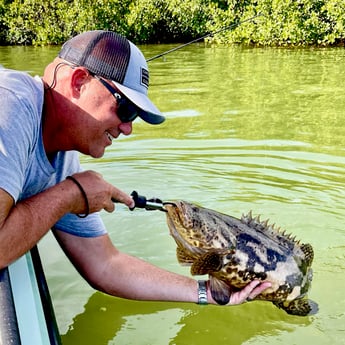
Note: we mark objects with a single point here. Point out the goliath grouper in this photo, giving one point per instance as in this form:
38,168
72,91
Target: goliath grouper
233,252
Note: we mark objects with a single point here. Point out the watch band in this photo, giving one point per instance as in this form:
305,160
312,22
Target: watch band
202,292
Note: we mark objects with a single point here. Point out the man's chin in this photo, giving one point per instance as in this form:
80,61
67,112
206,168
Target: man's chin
96,153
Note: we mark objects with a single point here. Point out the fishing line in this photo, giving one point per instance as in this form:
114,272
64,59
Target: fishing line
229,27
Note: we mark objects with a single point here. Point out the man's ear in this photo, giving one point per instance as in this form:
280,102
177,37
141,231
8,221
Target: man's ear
80,76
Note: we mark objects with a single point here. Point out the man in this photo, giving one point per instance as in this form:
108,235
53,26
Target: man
89,95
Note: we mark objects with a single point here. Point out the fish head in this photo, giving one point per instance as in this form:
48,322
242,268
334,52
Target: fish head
194,228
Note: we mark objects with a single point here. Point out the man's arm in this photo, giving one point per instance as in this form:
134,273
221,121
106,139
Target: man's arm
23,224
118,274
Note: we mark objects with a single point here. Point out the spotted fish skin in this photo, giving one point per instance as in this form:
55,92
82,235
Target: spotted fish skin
233,252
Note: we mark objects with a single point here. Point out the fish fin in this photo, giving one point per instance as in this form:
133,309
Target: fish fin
221,292
299,307
183,257
308,251
206,263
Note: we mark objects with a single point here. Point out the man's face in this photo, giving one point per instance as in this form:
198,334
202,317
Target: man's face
98,123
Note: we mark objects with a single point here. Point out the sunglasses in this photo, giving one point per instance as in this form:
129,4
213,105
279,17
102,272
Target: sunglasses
127,111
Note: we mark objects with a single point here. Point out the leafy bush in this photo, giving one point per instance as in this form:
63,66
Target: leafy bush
289,22
3,27
167,20
52,21
31,21
283,22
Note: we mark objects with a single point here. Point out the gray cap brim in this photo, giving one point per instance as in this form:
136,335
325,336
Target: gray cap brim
149,113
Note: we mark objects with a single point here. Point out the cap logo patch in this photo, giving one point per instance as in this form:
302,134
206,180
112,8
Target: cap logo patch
145,77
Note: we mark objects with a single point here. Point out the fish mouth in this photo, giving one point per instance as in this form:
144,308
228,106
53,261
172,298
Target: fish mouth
168,203
172,215
175,218
176,211
176,224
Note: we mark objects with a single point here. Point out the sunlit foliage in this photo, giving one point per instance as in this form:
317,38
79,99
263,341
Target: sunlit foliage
281,22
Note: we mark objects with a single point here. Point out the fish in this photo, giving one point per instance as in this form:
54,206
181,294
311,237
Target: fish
235,251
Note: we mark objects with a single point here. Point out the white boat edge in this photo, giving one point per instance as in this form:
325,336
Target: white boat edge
33,311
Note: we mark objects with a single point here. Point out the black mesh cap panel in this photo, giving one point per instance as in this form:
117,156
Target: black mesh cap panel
104,53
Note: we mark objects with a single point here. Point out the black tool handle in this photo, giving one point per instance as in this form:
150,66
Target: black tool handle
148,204
139,200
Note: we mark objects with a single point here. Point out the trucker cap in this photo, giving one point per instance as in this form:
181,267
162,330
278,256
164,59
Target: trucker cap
113,57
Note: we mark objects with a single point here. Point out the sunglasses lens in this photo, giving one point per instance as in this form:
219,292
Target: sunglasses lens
127,111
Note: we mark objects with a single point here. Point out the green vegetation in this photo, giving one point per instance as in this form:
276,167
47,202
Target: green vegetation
283,22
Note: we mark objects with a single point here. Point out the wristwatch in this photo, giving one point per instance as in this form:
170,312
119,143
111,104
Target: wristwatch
202,292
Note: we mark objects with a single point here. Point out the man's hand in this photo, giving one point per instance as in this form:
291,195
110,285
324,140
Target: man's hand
100,194
249,292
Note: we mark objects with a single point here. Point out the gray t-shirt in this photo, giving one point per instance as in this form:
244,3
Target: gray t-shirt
24,167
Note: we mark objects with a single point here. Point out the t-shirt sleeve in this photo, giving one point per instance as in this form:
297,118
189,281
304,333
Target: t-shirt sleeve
15,142
91,226
22,173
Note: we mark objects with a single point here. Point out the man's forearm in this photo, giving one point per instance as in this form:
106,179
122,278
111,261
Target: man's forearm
29,220
136,279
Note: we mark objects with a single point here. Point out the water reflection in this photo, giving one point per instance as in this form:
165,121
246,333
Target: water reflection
255,94
246,171
171,323
26,58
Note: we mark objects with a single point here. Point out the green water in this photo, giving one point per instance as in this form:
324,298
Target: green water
247,129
